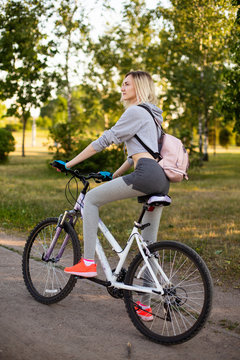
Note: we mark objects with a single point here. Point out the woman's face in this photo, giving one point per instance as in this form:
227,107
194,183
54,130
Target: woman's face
128,90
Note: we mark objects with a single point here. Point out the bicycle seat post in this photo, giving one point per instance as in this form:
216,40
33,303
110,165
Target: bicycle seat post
144,209
138,223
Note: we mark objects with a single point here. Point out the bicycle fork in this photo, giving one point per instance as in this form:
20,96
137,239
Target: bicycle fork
59,227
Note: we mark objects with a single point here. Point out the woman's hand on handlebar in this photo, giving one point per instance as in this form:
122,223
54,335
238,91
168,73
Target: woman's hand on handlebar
106,175
101,175
59,165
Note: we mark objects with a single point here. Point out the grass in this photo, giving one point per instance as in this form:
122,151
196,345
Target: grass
204,212
230,325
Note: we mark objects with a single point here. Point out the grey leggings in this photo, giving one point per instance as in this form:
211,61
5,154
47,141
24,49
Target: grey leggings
113,190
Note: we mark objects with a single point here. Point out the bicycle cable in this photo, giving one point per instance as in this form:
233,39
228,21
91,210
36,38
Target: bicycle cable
68,191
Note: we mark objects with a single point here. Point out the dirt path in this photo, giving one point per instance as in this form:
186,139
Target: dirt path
91,325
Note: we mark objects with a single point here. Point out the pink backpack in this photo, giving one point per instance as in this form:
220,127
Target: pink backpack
173,155
174,158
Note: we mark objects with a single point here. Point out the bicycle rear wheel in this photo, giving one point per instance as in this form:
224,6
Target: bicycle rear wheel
182,311
46,281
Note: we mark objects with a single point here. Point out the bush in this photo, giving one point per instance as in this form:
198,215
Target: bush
237,139
195,160
63,137
7,144
212,136
13,127
224,137
43,122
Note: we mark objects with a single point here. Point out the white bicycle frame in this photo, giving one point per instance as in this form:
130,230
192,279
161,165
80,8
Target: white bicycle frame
122,254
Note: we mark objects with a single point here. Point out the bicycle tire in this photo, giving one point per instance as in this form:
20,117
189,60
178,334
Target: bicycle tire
183,310
46,281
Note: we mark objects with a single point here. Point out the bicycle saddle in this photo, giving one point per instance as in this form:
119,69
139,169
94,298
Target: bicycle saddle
155,200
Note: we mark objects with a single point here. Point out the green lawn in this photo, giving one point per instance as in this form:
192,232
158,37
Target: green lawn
204,212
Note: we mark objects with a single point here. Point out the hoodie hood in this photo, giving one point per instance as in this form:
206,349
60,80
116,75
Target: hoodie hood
156,111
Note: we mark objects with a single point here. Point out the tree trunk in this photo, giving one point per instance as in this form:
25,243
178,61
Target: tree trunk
24,120
214,138
200,125
200,133
69,109
205,145
69,96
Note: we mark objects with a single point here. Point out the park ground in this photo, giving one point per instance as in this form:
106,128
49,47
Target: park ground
89,324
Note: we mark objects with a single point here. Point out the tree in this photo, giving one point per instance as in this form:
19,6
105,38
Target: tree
194,44
123,47
23,59
231,96
224,137
184,46
55,111
3,110
71,29
86,114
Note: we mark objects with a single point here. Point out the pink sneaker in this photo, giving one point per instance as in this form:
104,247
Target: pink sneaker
80,269
144,312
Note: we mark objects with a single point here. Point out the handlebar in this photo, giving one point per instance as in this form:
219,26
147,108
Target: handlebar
98,177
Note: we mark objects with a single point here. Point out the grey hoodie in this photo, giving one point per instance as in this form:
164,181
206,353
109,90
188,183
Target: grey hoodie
135,120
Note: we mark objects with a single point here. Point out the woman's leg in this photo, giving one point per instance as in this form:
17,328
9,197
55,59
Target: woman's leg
150,232
113,190
150,236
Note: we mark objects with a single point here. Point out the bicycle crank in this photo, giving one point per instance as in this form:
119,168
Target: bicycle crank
114,292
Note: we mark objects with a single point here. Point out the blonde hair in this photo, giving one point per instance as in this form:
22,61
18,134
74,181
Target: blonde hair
144,87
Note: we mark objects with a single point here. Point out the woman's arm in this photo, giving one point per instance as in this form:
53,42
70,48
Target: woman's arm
123,168
83,155
90,151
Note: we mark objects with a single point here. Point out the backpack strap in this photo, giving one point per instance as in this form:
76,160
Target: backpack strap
148,110
154,155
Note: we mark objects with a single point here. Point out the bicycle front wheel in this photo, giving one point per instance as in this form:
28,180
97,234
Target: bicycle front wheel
46,280
182,311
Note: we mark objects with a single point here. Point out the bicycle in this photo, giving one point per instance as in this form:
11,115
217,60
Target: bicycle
168,274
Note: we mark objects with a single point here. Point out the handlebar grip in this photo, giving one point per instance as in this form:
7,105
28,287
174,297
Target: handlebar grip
59,166
105,175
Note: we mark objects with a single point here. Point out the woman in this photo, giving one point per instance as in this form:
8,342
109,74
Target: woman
147,177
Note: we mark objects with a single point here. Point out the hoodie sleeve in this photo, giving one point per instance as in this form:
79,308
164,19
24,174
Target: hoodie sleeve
126,127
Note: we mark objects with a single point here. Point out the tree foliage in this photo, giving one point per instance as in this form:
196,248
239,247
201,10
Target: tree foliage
231,95
7,144
184,46
194,44
72,28
224,137
23,59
